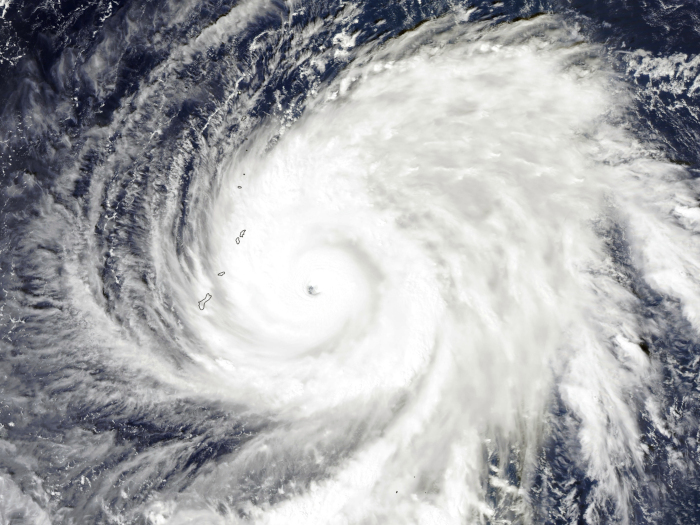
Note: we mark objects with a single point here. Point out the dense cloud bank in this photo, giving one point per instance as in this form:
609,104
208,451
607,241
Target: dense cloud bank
267,262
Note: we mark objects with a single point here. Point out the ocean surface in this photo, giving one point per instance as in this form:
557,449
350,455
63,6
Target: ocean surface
343,262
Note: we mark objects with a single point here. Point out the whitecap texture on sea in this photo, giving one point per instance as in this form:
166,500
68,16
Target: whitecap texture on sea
428,278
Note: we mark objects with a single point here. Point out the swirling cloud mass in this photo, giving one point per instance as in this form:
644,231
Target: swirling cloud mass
288,263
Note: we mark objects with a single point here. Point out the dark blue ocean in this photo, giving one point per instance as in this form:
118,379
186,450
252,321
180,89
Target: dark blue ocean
341,262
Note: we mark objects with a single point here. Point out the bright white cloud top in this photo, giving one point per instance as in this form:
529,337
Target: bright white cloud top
430,284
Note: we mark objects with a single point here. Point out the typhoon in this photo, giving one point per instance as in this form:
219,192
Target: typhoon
351,262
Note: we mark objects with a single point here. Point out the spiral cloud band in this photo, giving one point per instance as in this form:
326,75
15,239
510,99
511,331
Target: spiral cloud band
415,282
